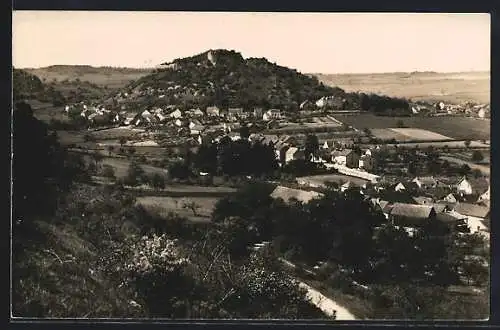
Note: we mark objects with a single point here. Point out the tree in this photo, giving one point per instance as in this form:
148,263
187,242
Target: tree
134,173
179,170
464,169
110,149
41,167
97,158
400,124
311,146
467,143
193,206
108,171
477,156
244,132
157,180
122,140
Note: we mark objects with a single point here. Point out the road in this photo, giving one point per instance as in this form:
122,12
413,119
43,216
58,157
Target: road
484,169
327,305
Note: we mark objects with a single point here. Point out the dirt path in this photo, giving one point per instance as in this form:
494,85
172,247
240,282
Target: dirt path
327,305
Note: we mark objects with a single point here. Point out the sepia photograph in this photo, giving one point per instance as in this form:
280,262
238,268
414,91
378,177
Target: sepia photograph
172,165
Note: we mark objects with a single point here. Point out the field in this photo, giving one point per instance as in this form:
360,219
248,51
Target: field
442,144
115,133
164,205
454,127
120,165
112,78
320,180
407,134
448,87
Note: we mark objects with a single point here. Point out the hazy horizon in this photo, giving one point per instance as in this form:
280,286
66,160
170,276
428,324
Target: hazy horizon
312,43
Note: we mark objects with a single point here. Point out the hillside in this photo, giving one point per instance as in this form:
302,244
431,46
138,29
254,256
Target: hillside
28,86
432,86
108,77
226,79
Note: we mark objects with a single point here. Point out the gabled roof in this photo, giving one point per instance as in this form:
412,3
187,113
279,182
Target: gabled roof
446,218
472,210
411,211
479,185
287,194
339,153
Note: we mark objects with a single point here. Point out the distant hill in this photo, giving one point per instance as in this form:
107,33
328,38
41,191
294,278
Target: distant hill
432,86
109,77
225,78
27,86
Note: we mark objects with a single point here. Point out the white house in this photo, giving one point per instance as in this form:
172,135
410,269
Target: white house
481,113
485,196
271,114
213,111
175,114
425,182
178,122
476,215
293,153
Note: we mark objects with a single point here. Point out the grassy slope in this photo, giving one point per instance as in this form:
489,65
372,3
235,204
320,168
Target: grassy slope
451,87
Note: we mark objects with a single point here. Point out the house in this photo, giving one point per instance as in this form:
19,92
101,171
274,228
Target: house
441,207
146,114
280,153
213,111
271,114
307,105
457,223
178,123
408,186
196,127
472,186
411,215
257,112
294,153
161,117
347,157
367,162
485,197
476,215
481,113
450,198
425,182
234,113
197,112
289,194
402,196
176,114
273,123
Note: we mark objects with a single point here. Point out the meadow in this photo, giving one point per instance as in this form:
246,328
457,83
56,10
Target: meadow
454,127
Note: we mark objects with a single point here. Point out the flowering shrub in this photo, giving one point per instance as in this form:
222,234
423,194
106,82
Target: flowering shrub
155,254
155,271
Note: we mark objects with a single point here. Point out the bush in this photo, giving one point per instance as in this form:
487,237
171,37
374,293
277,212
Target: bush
108,171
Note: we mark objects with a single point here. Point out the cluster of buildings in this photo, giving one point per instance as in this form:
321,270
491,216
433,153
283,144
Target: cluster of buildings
414,203
442,109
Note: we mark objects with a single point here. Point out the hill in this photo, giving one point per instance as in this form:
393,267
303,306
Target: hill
226,79
104,77
432,86
29,87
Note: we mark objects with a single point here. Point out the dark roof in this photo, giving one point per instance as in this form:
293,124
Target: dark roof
397,196
409,185
411,211
446,218
344,152
472,210
423,200
441,207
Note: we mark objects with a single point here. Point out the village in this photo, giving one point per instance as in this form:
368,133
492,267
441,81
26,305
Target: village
347,155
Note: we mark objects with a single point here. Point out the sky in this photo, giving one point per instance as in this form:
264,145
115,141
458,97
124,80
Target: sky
308,42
